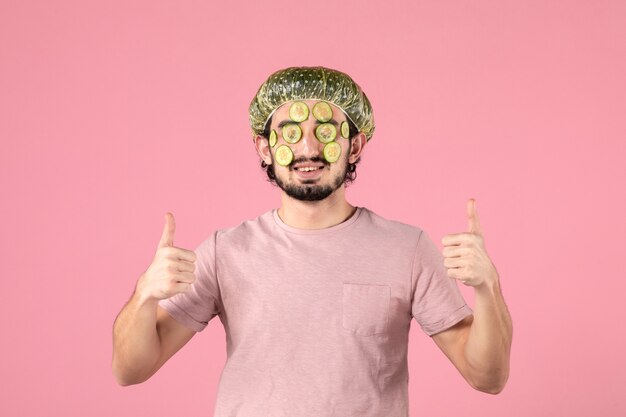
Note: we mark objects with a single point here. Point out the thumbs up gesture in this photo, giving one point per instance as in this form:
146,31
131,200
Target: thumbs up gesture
172,269
465,255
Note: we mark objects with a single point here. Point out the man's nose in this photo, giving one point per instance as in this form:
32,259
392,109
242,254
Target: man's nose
310,145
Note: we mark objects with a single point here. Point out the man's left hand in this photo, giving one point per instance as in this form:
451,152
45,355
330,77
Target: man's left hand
465,255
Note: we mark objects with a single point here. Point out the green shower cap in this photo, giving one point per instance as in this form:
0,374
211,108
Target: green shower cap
311,83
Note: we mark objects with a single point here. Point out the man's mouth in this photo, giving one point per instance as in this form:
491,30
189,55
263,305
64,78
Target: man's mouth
308,166
308,169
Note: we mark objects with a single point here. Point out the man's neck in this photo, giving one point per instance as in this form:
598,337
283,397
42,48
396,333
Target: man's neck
316,214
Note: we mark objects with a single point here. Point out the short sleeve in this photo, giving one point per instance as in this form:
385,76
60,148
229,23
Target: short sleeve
197,306
437,302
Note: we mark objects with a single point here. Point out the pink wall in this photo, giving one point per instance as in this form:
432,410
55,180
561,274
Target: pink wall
112,113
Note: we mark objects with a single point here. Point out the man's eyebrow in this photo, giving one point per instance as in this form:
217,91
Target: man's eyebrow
284,122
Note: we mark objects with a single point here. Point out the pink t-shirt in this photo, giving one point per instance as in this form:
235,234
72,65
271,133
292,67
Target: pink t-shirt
317,321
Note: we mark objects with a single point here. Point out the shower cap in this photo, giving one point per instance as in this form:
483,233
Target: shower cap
311,83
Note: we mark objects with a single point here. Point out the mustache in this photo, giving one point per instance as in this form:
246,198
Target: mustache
316,159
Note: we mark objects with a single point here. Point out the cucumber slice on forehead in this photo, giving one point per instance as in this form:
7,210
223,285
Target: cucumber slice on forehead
273,138
284,155
292,133
332,151
322,111
345,129
326,132
299,111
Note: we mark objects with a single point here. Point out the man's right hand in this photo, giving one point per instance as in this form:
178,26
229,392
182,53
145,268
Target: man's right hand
172,269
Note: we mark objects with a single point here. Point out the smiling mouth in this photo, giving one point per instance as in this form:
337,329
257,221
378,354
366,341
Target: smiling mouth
309,173
308,169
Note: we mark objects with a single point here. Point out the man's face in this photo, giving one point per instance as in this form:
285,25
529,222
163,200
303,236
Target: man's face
308,151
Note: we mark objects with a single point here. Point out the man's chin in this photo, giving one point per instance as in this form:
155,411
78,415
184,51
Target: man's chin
308,193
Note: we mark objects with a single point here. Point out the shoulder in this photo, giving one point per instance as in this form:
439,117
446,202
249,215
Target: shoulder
391,227
245,231
234,238
389,224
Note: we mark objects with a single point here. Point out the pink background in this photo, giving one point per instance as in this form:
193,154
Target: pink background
112,113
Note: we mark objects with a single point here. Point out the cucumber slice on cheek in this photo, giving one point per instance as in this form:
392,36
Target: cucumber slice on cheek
284,155
332,151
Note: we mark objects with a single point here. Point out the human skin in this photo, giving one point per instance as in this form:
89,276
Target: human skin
312,214
145,336
480,345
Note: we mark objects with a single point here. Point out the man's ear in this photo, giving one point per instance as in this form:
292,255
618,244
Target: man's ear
263,148
358,143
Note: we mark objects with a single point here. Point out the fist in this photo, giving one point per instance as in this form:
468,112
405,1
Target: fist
172,269
465,255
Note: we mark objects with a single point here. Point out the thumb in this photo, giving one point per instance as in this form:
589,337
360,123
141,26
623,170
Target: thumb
167,238
472,217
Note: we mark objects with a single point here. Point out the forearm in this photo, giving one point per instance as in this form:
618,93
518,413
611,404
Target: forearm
488,347
136,344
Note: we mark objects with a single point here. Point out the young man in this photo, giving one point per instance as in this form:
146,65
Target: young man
317,296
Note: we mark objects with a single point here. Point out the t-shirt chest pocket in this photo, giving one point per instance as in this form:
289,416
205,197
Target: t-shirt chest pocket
365,308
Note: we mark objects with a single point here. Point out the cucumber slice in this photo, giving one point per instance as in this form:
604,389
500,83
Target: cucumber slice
284,155
322,111
292,133
345,129
299,111
326,132
332,151
273,138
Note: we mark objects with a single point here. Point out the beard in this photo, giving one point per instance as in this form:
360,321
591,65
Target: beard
308,190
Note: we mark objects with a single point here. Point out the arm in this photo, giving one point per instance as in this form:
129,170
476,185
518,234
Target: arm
145,336
479,346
